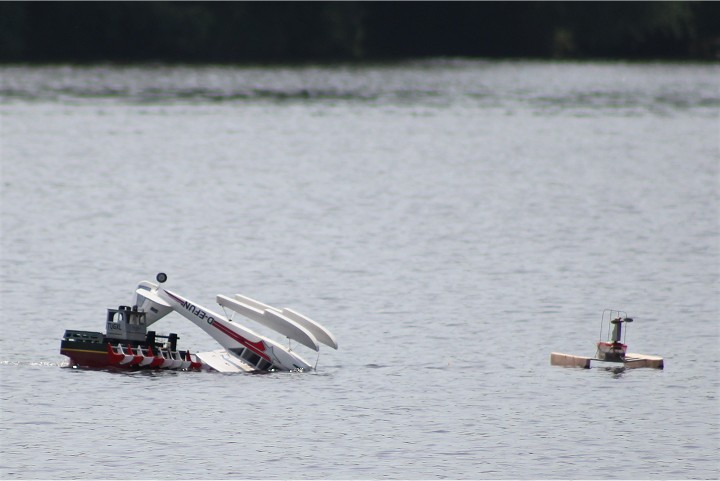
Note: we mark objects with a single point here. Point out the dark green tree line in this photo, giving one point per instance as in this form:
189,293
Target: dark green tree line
350,31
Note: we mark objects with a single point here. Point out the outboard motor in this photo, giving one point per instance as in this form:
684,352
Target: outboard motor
617,329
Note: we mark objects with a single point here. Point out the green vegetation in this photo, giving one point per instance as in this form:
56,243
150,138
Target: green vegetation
349,31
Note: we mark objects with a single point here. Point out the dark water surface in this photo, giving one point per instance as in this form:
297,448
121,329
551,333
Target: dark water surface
452,222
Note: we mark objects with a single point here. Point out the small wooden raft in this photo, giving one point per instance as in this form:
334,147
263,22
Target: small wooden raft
632,360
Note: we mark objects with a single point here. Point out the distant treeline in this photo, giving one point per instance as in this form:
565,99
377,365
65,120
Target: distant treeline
242,32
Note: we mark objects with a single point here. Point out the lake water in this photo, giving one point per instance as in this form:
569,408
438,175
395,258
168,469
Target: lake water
452,222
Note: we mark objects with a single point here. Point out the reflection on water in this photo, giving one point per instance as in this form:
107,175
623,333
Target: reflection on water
617,371
539,85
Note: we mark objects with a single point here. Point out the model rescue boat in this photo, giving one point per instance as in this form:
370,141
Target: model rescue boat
613,350
128,344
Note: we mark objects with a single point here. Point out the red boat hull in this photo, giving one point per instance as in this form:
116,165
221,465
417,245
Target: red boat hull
96,357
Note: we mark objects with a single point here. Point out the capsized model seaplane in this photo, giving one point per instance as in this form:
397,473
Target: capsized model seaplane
128,344
613,350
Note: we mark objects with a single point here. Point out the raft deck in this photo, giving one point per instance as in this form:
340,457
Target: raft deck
632,360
